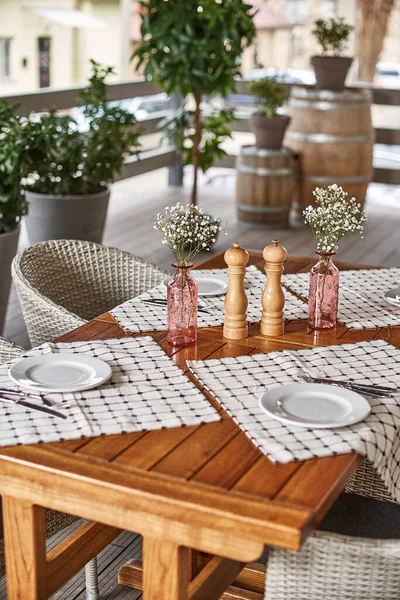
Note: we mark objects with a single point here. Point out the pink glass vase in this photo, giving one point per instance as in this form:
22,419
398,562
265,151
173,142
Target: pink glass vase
324,293
182,307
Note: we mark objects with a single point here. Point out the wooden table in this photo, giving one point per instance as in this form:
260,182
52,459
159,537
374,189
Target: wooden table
205,488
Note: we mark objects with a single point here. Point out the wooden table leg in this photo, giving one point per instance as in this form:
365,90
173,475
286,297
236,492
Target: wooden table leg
166,569
25,550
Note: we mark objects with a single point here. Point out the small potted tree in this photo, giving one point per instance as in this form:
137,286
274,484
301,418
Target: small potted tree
12,200
67,187
330,68
192,48
267,125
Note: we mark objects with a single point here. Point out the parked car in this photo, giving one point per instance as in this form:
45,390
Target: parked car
289,76
387,75
141,107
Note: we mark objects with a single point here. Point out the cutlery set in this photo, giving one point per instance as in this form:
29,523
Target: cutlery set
372,390
23,399
163,304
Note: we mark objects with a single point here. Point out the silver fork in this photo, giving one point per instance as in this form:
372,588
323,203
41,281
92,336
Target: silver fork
33,396
367,390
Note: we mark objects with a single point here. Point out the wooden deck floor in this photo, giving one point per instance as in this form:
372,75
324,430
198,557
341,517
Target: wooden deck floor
136,201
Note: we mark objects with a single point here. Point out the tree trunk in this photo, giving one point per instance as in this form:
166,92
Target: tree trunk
196,145
372,26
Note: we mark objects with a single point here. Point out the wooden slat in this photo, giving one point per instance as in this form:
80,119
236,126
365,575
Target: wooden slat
249,584
72,554
213,579
166,570
24,535
149,160
391,176
42,100
387,136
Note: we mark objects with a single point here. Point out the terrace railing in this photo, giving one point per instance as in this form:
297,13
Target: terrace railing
167,155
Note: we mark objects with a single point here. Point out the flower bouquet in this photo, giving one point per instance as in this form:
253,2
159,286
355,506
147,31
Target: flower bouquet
186,230
334,217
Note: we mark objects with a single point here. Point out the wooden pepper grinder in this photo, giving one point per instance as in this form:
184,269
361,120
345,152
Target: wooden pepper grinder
235,321
273,299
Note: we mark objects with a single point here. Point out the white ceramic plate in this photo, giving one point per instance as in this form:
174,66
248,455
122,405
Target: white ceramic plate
60,372
393,296
315,405
209,285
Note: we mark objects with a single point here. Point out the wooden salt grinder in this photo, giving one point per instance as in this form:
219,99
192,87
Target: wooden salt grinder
235,321
273,299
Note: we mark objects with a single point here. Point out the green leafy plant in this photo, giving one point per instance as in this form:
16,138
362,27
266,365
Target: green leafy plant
13,157
72,162
193,48
269,96
332,35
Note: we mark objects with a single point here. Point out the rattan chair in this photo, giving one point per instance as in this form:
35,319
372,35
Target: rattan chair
62,284
54,521
339,567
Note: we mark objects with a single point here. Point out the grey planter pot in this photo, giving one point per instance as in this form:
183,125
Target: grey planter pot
269,131
66,217
8,249
331,71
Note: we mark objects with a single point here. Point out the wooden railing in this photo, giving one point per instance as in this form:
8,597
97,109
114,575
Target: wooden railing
167,156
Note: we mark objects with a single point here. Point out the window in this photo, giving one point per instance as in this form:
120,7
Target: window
296,10
329,9
44,62
5,57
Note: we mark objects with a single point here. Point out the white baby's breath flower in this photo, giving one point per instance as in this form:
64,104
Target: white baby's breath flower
187,230
335,216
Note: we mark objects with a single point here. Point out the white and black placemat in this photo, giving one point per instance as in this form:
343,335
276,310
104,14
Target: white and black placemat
146,391
135,315
361,296
237,384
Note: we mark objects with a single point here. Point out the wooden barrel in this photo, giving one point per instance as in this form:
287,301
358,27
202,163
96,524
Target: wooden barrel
332,133
265,185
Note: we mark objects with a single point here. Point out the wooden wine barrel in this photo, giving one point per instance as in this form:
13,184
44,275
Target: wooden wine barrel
333,134
265,185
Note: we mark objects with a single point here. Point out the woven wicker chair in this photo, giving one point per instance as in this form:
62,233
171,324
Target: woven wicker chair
54,521
339,567
62,284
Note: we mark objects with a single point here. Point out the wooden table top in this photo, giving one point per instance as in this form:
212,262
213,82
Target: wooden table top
208,477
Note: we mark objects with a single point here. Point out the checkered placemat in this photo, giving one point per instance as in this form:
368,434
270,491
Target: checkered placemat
237,384
146,391
135,315
361,301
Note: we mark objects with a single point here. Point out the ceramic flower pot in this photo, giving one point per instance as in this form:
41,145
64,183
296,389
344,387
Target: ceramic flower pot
66,217
8,249
269,131
331,71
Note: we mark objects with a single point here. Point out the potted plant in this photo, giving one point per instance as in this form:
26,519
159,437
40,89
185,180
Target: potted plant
193,48
267,125
67,188
12,200
331,68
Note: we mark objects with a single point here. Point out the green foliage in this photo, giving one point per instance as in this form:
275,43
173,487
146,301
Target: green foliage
69,162
332,35
12,161
190,45
269,95
214,130
194,47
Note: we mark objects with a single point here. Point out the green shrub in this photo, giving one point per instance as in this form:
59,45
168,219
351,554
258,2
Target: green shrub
332,35
67,161
269,96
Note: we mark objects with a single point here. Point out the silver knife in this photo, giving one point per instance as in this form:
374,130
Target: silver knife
32,406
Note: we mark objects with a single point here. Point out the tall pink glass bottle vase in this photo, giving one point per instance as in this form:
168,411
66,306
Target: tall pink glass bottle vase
324,293
182,295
